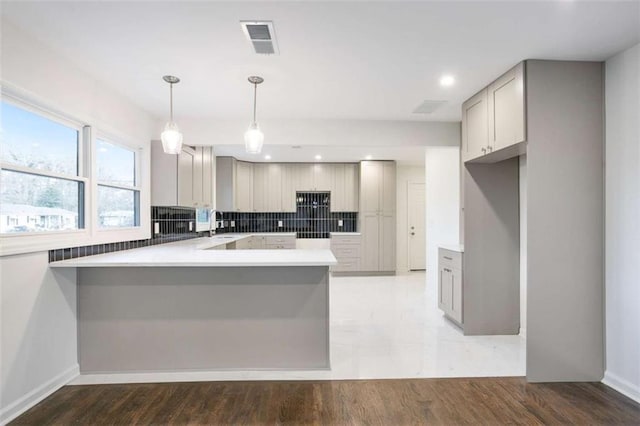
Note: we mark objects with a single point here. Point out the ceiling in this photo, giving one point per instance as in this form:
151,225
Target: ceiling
338,60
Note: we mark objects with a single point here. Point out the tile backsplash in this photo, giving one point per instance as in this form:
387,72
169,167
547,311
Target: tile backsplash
312,219
173,225
172,221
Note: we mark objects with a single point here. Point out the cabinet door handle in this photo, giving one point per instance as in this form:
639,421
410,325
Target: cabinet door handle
489,148
484,150
448,258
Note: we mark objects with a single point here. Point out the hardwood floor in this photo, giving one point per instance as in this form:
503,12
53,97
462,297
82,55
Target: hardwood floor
377,402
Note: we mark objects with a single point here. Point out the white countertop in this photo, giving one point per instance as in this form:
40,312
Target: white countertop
194,252
453,247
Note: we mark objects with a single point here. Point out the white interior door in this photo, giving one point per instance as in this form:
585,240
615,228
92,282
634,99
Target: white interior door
416,226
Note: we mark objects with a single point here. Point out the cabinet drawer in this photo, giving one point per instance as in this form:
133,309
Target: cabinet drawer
347,265
346,251
287,246
341,240
279,240
452,259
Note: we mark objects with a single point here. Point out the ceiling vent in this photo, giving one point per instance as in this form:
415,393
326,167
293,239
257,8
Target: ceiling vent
427,107
262,36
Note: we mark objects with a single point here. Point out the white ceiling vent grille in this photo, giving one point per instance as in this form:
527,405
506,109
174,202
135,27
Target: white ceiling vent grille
262,36
427,107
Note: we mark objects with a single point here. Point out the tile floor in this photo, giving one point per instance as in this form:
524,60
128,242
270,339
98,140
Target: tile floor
382,327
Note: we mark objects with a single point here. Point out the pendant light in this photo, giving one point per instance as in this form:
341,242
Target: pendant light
171,136
253,137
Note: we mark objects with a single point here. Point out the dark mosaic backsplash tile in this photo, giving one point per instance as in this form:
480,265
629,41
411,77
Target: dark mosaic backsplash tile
172,220
312,219
174,226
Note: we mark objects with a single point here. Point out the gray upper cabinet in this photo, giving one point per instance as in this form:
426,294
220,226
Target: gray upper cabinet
493,120
344,196
225,184
322,177
370,186
184,180
288,171
267,187
378,186
234,185
260,187
303,177
207,166
271,187
244,186
506,109
475,126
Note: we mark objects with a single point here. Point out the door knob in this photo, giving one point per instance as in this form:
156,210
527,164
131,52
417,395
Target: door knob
413,233
413,227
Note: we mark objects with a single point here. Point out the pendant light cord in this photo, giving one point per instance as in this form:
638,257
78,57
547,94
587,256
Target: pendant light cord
171,101
255,96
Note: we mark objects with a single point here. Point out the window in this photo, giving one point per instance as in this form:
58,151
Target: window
118,186
41,183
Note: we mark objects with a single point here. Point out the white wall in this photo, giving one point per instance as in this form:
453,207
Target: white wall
442,184
404,175
31,66
622,240
38,317
38,307
323,132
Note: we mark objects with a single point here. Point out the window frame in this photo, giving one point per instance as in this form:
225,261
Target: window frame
81,177
88,130
136,188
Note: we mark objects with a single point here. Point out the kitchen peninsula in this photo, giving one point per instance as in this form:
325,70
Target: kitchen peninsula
190,306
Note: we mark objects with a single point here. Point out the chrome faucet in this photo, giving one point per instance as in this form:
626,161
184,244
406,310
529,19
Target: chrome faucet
212,220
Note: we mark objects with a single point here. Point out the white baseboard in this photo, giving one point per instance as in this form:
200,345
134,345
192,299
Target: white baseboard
27,401
621,385
323,373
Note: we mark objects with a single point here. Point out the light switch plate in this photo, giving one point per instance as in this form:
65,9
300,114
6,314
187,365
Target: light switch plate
156,228
340,223
280,225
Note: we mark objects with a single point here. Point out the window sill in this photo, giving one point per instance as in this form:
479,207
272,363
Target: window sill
21,244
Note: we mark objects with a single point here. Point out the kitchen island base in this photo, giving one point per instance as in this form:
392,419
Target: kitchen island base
148,319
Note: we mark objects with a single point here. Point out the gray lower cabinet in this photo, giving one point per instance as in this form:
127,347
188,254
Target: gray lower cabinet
280,242
262,242
347,250
450,284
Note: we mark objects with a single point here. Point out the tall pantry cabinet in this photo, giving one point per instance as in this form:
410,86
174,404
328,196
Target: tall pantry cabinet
378,216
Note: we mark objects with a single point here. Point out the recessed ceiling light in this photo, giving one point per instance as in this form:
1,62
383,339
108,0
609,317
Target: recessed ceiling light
267,157
368,157
447,80
318,157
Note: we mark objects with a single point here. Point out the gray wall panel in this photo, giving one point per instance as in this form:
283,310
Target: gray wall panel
167,319
491,303
565,221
